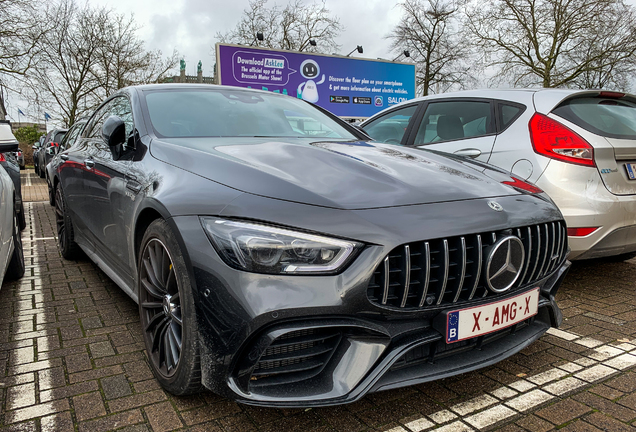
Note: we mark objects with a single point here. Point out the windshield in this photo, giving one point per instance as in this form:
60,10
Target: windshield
237,113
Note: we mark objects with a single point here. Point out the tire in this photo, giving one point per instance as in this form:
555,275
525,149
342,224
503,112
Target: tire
166,308
35,168
22,217
51,194
42,172
15,270
65,234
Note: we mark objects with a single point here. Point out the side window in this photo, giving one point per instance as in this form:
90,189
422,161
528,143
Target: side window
119,106
94,129
70,137
453,120
508,114
390,128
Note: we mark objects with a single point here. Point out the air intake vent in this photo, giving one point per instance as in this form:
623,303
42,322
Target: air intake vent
296,356
450,270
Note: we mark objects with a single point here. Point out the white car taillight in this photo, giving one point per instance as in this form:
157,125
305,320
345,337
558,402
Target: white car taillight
552,139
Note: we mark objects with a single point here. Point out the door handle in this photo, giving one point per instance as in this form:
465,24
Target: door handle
64,157
89,163
469,152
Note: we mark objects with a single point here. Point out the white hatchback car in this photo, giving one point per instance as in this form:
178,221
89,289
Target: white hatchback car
579,146
11,254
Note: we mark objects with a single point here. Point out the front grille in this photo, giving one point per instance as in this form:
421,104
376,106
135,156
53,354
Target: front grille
295,356
449,270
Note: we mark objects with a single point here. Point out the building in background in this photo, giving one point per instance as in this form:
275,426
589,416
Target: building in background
183,78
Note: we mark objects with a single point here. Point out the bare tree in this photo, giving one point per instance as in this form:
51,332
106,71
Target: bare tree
612,51
122,60
64,80
290,28
429,30
92,53
21,29
555,43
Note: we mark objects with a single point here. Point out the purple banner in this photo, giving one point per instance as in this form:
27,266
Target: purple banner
348,87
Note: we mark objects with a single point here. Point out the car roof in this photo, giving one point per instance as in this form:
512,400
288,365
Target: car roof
544,99
180,86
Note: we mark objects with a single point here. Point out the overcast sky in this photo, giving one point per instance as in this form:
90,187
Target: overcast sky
190,26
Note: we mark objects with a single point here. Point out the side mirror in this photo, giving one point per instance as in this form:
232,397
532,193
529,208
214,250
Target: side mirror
114,132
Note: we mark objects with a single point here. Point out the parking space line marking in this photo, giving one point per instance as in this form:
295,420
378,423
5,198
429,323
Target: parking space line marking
588,342
562,334
442,416
36,293
622,362
595,373
474,404
564,386
536,390
529,400
455,427
419,425
490,416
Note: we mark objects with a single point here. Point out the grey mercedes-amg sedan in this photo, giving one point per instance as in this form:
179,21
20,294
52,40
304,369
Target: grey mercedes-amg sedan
280,258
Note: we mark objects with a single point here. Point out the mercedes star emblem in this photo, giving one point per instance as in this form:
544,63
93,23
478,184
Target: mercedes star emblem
504,263
495,206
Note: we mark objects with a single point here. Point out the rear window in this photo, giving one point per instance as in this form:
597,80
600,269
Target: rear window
607,117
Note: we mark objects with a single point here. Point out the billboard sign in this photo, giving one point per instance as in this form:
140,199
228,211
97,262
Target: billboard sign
348,87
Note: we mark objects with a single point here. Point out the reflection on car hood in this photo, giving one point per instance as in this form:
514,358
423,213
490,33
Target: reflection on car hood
345,175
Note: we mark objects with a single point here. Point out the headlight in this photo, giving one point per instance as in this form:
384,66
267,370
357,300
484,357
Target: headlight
265,249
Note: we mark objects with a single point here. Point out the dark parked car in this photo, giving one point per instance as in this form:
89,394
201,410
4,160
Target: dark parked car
279,259
55,163
20,157
49,149
36,149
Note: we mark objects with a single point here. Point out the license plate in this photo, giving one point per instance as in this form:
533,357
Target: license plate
631,170
480,320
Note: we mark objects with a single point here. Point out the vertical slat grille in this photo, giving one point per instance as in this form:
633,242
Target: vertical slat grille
449,270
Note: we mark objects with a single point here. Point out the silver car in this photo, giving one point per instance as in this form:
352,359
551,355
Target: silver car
11,254
579,146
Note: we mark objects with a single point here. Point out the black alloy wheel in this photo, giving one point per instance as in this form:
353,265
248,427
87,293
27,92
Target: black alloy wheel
51,194
68,248
166,307
160,303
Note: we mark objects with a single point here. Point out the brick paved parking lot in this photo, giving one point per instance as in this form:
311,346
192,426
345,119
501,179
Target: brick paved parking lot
72,359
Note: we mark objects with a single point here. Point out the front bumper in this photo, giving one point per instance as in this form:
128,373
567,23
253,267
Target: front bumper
250,324
374,355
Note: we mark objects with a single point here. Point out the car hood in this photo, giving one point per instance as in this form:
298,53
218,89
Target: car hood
344,175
